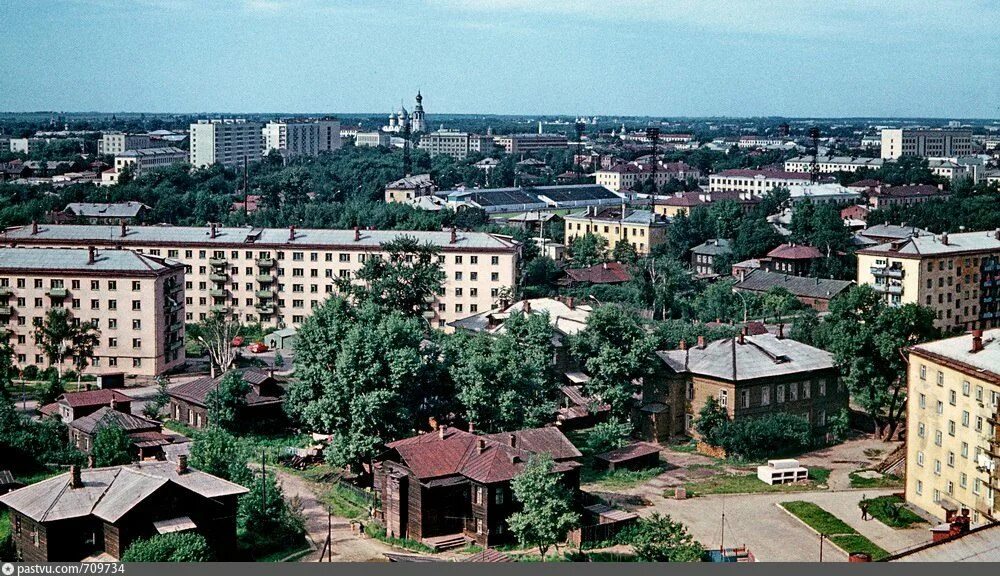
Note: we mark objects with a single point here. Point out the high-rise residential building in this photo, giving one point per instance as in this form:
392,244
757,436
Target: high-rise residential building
953,404
301,137
277,276
229,142
136,301
957,275
456,144
115,143
925,143
642,229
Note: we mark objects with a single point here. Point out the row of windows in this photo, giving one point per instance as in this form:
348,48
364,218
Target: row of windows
74,284
793,393
96,361
301,256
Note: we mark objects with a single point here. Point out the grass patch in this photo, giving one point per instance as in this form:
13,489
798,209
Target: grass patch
377,531
39,475
345,503
838,531
686,448
4,525
750,484
293,552
619,478
890,511
885,481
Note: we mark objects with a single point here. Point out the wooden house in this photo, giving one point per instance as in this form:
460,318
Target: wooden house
146,435
189,401
102,511
454,486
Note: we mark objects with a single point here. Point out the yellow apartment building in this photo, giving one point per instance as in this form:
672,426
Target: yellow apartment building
643,229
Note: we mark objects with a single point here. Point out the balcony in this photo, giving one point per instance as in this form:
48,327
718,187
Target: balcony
220,308
173,288
217,293
217,262
176,326
6,291
265,309
265,279
6,310
175,345
886,272
264,294
58,292
894,289
265,262
218,277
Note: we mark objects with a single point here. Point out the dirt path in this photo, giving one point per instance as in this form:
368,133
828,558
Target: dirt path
347,546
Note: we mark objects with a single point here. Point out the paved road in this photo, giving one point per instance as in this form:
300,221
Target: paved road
771,534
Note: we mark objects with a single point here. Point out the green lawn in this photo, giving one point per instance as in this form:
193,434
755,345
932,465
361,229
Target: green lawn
838,531
377,531
345,503
890,511
886,481
619,478
4,525
749,483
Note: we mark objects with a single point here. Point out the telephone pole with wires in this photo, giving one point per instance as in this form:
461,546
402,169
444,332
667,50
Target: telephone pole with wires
653,135
814,165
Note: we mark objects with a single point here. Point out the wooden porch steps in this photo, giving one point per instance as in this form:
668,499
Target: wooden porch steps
447,542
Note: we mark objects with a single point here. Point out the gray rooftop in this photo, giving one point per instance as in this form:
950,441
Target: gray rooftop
77,259
936,245
108,416
893,231
762,356
762,281
103,210
248,237
109,493
985,362
979,545
714,246
146,152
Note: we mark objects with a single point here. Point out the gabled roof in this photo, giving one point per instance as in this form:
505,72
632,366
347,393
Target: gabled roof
197,390
108,416
105,210
795,252
110,493
910,190
713,246
762,356
92,398
484,459
803,286
606,273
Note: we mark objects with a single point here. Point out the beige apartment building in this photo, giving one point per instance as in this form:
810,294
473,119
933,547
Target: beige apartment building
640,228
515,143
756,182
925,143
276,276
409,187
301,137
456,144
135,300
229,141
953,392
957,275
625,176
828,164
115,143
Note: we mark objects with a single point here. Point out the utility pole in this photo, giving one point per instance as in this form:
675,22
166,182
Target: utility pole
821,538
246,188
814,168
407,162
263,482
653,135
580,128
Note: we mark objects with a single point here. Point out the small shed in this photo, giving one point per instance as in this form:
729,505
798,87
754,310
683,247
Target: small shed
601,523
7,482
283,339
782,471
635,456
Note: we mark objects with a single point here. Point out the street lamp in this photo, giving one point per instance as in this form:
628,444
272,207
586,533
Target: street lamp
744,299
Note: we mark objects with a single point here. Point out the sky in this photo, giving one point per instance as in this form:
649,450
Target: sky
793,58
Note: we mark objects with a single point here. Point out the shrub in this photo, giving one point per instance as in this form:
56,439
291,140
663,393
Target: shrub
176,547
30,372
608,436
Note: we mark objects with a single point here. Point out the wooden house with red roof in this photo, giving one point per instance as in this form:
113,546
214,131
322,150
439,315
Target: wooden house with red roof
605,273
449,486
794,259
73,405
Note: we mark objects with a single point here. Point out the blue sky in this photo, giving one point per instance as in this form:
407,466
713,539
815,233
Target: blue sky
937,58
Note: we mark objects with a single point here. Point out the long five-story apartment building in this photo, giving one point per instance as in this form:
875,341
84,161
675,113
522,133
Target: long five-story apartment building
277,275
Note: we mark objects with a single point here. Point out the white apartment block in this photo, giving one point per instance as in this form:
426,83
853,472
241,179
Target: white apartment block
276,276
625,176
117,142
135,301
456,144
229,142
514,143
373,139
757,182
828,164
301,137
925,143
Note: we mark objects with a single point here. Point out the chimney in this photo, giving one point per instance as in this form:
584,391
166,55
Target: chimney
34,227
91,255
944,238
701,342
124,230
859,557
454,235
512,439
977,341
481,445
526,309
441,431
604,265
114,401
781,331
472,428
569,303
743,335
357,234
291,233
182,464
90,461
211,230
682,345
996,234
75,481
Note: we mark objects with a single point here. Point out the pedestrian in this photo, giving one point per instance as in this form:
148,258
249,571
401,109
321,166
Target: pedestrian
864,507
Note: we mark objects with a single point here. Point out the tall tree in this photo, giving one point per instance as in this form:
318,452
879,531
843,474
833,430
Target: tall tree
7,368
588,250
660,539
112,446
216,335
547,506
227,402
404,280
505,381
54,335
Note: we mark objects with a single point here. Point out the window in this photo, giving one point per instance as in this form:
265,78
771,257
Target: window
478,494
723,398
940,378
479,525
921,429
793,391
498,497
923,400
940,407
963,480
965,450
744,398
938,437
965,418
923,372
951,427
952,397
979,393
951,459
780,393
920,487
765,395
979,423
920,458
975,485
937,467
966,387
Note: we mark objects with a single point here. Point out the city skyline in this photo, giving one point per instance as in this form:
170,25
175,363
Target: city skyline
639,58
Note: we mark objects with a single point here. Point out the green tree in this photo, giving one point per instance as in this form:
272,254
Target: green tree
279,360
778,302
661,280
153,408
53,390
175,547
615,350
112,446
712,421
624,252
588,250
228,401
266,520
505,381
660,539
217,452
404,279
868,339
608,435
7,368
59,336
547,506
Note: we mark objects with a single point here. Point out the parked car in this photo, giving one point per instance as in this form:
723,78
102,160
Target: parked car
257,347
